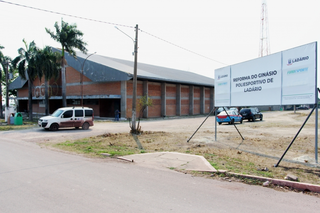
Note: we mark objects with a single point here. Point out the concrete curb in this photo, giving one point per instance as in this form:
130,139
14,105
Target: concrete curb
292,184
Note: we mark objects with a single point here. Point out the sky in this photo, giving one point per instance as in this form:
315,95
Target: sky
197,36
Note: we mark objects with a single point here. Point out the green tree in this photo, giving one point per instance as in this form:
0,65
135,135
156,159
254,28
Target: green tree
47,64
70,38
144,102
25,64
5,64
2,61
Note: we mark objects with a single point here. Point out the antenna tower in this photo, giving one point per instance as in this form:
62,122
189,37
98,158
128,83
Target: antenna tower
264,47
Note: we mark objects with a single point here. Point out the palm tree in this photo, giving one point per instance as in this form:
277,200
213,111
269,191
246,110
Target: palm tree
26,68
69,37
2,61
47,65
5,64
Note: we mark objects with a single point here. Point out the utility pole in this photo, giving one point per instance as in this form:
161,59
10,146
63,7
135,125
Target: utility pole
134,95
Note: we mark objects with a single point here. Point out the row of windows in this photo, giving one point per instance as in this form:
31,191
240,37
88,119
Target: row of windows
85,102
78,113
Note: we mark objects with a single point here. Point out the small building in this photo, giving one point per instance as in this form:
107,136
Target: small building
105,84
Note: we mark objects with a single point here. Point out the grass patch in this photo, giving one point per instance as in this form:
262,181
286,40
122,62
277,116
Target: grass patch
220,158
94,146
26,125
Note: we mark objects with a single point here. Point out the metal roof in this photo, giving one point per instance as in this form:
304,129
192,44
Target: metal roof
105,69
17,83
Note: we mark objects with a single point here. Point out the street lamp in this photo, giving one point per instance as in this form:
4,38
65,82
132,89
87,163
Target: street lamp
81,79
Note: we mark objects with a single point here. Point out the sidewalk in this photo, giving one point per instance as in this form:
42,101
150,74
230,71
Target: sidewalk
189,162
173,160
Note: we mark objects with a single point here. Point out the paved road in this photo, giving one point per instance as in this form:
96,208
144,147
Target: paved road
35,179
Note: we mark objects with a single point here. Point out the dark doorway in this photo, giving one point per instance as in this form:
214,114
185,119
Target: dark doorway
54,105
23,106
108,107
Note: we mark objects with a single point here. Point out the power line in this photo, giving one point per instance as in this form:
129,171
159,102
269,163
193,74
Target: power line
182,47
64,14
111,23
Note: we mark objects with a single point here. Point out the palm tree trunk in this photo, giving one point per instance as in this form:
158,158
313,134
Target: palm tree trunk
63,82
30,99
46,97
1,114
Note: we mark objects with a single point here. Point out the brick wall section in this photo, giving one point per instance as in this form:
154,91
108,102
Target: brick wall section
73,76
196,102
38,86
184,100
89,88
129,96
196,107
130,88
155,110
112,88
23,92
154,92
171,103
207,107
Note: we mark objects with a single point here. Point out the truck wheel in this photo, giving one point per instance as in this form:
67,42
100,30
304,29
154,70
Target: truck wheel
85,126
54,127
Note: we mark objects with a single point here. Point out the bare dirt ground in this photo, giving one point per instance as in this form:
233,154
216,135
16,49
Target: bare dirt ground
269,137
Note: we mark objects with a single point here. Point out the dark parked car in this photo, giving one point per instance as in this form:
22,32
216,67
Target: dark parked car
303,107
252,114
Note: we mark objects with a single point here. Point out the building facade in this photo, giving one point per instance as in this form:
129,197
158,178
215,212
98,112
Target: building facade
105,84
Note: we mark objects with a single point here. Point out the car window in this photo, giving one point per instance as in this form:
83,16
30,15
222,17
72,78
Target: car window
78,113
244,110
68,114
88,113
57,113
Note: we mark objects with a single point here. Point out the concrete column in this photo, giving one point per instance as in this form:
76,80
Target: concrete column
191,99
178,100
123,102
211,98
163,99
145,93
202,100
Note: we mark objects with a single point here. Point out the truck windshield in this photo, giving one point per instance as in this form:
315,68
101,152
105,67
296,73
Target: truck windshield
57,113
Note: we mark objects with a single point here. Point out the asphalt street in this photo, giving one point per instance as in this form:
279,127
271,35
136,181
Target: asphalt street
35,179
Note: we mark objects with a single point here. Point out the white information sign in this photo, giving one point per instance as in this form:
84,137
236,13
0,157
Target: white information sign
284,78
222,87
257,82
299,75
